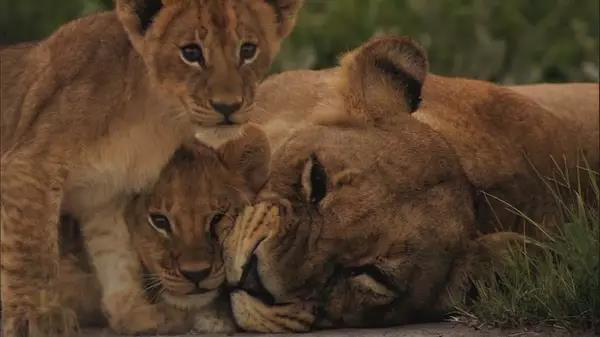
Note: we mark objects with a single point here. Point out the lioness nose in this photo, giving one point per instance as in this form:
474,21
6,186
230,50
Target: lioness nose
226,109
196,275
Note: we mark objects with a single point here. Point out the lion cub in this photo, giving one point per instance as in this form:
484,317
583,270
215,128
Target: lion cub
90,116
177,229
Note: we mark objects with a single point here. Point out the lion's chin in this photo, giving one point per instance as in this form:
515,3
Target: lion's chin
188,302
216,136
252,314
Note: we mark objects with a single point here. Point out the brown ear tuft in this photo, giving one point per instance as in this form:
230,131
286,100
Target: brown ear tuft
250,155
286,11
385,75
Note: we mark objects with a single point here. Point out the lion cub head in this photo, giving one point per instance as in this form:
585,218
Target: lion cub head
177,227
208,55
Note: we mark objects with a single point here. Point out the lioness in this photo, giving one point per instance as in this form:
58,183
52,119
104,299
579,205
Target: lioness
90,115
380,177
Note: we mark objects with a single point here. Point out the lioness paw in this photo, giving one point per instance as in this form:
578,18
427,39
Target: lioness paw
274,199
213,322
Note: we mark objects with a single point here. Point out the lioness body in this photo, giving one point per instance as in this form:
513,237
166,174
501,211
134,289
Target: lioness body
392,201
92,114
575,102
494,130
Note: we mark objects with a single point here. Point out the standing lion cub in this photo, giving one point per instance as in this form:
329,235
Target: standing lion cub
90,116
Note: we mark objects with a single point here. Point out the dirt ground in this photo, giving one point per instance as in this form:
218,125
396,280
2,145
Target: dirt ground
421,330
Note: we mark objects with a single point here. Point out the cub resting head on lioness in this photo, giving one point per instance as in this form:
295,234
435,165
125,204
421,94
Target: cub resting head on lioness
379,181
89,117
177,229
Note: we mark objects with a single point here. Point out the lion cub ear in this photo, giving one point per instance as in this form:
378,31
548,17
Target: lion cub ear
250,154
286,11
136,16
382,77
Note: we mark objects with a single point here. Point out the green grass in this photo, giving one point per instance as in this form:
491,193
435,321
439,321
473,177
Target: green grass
555,281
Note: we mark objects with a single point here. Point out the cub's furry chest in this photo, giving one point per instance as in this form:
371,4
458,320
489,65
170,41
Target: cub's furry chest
127,160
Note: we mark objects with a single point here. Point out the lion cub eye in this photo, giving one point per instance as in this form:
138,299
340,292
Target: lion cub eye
248,52
192,54
160,222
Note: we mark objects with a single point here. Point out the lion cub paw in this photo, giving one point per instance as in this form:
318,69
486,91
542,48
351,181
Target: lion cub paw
151,319
51,321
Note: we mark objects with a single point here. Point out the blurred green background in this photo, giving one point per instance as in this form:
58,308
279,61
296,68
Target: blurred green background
508,41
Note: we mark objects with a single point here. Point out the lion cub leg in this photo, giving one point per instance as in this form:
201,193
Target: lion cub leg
30,199
119,272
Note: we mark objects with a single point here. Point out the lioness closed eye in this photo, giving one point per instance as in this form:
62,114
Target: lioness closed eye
91,115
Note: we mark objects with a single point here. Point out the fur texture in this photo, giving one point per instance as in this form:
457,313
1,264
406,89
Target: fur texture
199,192
376,212
90,116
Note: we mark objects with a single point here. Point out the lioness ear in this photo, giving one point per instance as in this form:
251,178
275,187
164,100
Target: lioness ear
250,155
286,11
137,16
384,76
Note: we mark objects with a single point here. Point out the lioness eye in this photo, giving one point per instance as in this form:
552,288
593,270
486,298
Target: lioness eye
192,53
216,219
160,222
314,180
318,180
248,52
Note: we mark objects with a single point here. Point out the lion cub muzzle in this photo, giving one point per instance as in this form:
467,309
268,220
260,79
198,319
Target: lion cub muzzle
227,109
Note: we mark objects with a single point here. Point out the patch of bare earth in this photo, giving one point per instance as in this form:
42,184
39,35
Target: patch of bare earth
420,330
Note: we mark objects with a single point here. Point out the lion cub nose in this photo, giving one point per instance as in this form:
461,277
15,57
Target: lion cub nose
195,276
226,108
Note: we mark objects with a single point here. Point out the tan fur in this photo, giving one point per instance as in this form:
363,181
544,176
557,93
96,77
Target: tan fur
403,222
91,115
197,185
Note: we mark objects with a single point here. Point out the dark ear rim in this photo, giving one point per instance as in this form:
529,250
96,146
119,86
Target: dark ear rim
146,10
412,86
286,12
412,56
142,11
278,10
397,60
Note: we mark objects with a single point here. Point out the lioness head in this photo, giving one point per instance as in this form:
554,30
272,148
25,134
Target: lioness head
380,224
209,54
176,228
